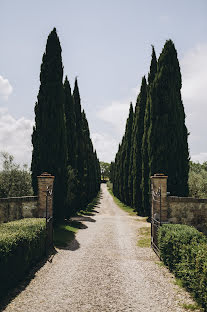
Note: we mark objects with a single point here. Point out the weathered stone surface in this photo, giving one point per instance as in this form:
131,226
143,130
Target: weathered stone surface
15,208
187,210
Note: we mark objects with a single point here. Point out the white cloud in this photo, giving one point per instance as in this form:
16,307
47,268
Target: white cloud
106,146
15,136
199,157
117,112
194,74
5,88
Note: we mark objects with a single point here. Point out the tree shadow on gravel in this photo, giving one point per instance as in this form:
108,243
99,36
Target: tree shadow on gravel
23,283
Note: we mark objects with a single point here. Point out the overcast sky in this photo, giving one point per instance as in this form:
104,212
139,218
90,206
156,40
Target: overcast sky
107,45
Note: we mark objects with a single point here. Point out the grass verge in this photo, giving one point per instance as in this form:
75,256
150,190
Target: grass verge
64,233
124,207
144,239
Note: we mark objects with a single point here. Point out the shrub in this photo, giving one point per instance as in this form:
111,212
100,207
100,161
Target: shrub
22,244
184,250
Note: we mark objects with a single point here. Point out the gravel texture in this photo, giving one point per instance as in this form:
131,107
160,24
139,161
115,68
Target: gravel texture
103,269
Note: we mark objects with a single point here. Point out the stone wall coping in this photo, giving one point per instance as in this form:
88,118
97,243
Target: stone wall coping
159,177
186,199
46,175
16,199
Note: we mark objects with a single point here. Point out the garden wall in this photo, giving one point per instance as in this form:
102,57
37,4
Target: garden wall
187,210
180,210
15,208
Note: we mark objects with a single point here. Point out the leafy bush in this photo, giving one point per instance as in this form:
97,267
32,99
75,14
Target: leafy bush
22,244
197,181
14,180
184,250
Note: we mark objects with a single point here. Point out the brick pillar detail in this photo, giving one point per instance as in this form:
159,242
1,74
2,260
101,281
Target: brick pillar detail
160,180
45,180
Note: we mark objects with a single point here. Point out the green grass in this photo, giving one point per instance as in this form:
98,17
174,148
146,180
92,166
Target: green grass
192,307
144,239
121,205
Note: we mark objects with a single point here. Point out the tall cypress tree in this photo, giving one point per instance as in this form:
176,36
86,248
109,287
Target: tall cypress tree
137,146
168,147
70,123
49,134
145,185
127,147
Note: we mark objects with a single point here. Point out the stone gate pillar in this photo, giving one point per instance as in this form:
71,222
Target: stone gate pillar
159,180
45,181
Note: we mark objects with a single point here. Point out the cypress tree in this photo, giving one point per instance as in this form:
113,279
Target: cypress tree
167,141
126,164
145,185
137,146
70,124
49,134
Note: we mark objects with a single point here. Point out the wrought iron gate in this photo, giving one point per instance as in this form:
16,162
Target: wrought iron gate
156,210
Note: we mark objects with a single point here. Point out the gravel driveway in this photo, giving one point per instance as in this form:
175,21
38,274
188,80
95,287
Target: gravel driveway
103,269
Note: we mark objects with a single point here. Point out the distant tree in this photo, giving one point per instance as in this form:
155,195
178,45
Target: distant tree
105,170
14,180
49,134
198,180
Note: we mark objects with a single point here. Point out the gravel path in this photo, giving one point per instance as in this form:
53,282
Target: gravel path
103,269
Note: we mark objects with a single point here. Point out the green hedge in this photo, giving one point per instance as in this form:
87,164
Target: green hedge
184,250
22,244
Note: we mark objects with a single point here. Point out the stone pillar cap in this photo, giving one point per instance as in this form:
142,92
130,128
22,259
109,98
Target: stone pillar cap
45,175
159,175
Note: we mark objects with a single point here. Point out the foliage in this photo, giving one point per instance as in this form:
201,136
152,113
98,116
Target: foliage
121,205
155,138
167,136
61,139
105,170
22,244
14,180
145,184
198,180
138,129
184,250
49,134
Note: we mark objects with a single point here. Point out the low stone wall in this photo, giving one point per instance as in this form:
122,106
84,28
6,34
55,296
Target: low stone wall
188,210
15,208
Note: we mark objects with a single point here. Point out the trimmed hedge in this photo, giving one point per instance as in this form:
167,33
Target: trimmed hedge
184,250
22,244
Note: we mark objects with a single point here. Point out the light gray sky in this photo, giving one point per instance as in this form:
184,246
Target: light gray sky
107,44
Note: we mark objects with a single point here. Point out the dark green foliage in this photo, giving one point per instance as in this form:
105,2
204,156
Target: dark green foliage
158,140
167,141
145,185
138,130
61,138
22,245
49,135
184,250
121,168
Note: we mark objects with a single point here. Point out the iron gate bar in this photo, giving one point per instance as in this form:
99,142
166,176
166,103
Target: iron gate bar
155,223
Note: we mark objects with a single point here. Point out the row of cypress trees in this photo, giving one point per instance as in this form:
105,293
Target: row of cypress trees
61,138
156,138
